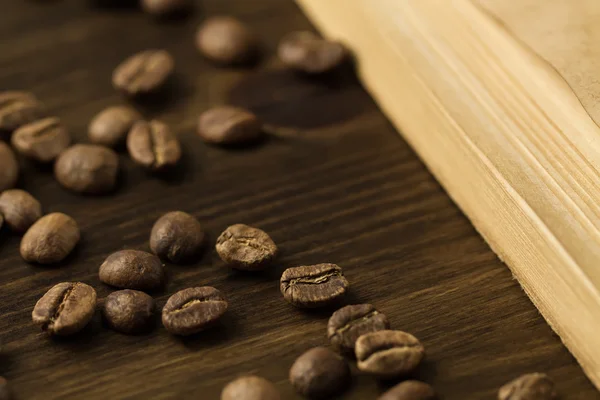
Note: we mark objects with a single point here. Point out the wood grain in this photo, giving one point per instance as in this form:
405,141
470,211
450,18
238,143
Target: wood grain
334,184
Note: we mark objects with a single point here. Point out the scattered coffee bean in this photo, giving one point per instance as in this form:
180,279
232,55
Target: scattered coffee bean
347,324
534,386
410,390
388,354
50,240
18,109
133,269
143,72
227,125
20,209
320,373
42,140
129,311
246,248
163,8
111,126
306,52
153,145
250,388
192,310
177,237
4,389
313,285
227,41
9,168
66,308
87,168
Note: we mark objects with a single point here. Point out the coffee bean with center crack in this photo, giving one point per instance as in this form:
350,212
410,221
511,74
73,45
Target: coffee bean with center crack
347,324
42,140
153,145
144,72
192,310
246,248
313,285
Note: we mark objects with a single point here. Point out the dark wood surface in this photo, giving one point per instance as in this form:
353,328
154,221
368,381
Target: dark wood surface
334,183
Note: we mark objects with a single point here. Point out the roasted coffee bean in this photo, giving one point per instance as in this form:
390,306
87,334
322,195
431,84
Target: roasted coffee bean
250,388
313,285
143,72
111,126
20,209
347,324
246,248
227,125
18,109
4,389
320,373
410,390
163,8
66,308
534,386
388,353
227,41
192,310
87,168
129,311
9,168
50,240
42,140
177,237
133,269
306,52
153,145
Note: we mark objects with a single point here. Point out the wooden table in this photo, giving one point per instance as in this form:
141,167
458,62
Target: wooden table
334,183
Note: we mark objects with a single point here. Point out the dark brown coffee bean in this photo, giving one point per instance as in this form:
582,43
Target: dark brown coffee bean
129,311
66,308
192,310
227,41
320,373
313,285
50,240
4,389
177,237
228,125
347,324
388,353
20,209
153,145
143,72
111,126
9,168
133,269
42,140
87,168
410,390
246,248
534,386
163,8
250,388
18,109
306,52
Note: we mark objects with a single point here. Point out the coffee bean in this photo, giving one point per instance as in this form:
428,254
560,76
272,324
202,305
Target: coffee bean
347,324
50,240
144,72
18,109
87,168
9,168
163,8
177,237
192,310
410,390
129,311
133,269
42,140
227,41
246,248
111,126
153,145
306,52
534,386
250,388
227,125
320,373
388,353
4,389
313,285
65,309
20,209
